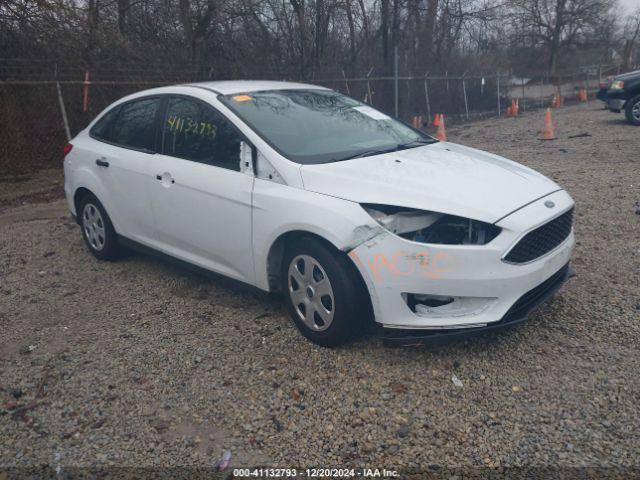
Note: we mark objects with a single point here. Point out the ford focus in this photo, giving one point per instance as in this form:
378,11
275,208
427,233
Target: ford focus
352,215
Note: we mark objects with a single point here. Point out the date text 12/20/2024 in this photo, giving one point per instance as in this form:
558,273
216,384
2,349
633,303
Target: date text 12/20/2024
314,473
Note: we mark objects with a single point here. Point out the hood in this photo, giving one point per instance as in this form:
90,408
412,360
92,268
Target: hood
442,177
628,75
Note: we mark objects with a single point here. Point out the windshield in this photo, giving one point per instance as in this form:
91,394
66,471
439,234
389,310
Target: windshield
321,126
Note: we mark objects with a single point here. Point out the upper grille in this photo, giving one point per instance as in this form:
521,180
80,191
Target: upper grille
541,240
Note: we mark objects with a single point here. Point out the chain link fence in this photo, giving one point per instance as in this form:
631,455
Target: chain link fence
40,100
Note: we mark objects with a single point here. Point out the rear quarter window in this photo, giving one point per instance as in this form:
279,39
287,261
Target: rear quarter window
103,128
135,126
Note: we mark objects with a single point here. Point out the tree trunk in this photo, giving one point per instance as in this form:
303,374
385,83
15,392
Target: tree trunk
93,19
318,34
384,30
352,35
298,8
123,8
429,28
556,36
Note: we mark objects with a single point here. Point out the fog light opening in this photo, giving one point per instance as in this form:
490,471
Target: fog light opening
431,301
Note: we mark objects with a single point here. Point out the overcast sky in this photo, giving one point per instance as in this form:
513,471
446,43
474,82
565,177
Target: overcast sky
630,5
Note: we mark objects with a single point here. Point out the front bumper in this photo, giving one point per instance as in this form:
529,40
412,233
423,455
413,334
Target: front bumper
484,286
615,104
616,100
517,314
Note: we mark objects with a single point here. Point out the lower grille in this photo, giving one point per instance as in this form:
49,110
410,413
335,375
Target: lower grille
536,295
541,240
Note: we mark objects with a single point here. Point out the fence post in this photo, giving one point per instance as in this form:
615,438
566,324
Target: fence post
498,85
464,92
426,96
85,92
523,101
63,111
369,86
346,84
395,79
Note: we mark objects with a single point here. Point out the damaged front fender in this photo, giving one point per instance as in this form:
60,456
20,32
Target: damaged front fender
363,234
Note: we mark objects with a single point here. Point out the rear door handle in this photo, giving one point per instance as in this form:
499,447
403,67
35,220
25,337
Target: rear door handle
102,163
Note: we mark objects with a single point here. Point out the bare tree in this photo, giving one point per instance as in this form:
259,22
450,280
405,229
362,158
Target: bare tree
557,24
631,38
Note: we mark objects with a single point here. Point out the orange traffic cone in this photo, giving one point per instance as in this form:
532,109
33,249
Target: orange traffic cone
583,95
547,133
441,134
509,111
436,120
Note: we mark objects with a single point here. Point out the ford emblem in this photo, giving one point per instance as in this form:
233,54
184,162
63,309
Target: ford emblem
549,204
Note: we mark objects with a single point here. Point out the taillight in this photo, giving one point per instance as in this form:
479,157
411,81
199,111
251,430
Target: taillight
66,149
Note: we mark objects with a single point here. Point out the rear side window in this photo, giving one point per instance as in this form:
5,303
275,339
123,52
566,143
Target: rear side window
135,125
103,129
196,132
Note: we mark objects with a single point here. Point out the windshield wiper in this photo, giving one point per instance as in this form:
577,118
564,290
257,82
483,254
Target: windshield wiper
368,153
400,146
415,143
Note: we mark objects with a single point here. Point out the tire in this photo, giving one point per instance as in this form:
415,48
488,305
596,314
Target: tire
97,229
324,292
632,110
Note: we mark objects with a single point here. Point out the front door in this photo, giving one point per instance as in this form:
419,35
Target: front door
201,200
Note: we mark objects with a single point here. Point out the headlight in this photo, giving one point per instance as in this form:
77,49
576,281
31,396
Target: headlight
432,227
617,85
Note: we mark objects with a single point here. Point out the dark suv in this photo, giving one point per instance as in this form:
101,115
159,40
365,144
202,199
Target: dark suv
624,94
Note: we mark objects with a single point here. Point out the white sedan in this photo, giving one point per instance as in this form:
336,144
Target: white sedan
353,215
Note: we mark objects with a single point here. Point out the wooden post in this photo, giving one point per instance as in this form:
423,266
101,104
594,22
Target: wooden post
426,97
464,92
85,93
498,86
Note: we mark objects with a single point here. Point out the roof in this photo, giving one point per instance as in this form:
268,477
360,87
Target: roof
228,87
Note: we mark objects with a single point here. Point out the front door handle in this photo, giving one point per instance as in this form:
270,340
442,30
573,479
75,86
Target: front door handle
102,163
166,177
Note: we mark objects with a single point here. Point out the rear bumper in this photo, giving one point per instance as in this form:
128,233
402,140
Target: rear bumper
517,314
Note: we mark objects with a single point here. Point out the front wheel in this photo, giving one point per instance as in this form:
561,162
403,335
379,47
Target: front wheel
324,293
632,110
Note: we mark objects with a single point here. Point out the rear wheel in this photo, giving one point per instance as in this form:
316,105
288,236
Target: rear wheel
632,110
323,292
97,229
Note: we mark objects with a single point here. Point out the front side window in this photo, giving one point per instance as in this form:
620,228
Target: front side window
194,131
135,126
321,126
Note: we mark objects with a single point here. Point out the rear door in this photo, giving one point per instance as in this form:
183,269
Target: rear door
126,142
201,200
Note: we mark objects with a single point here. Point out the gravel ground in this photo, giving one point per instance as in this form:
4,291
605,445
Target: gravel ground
139,363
